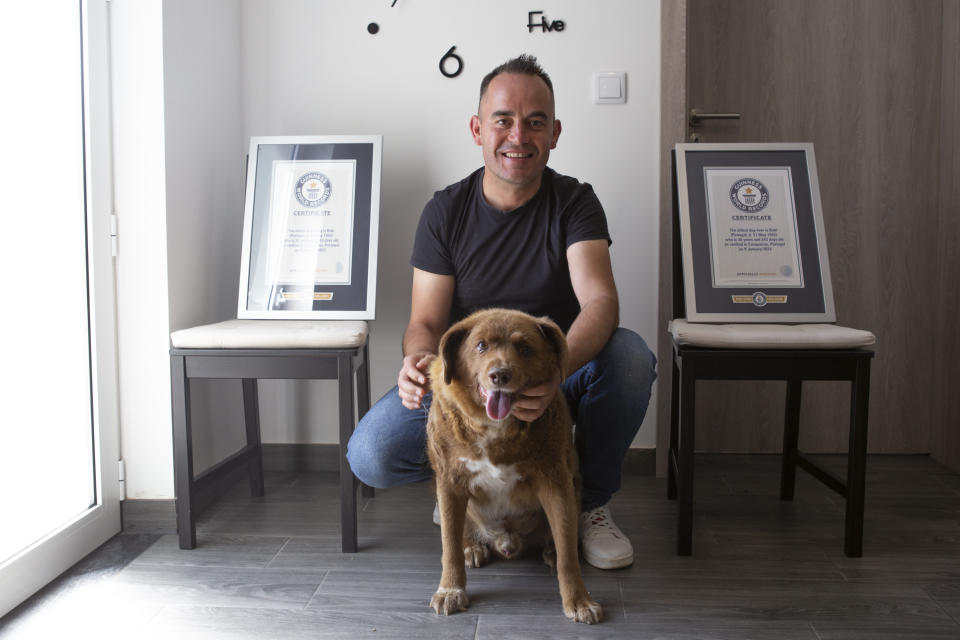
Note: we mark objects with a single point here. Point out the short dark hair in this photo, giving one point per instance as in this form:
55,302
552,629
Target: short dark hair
525,64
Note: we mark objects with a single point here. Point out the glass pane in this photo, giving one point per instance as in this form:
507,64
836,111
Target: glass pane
47,455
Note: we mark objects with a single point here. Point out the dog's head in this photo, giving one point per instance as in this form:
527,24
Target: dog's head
493,355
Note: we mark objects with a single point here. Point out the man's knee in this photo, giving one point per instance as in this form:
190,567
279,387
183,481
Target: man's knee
630,359
388,446
368,458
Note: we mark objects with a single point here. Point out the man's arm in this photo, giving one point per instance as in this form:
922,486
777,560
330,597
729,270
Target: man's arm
592,277
430,305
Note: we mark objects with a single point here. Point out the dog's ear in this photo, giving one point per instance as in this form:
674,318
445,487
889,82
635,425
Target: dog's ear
557,340
450,349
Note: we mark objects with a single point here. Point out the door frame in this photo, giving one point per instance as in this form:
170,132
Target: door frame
42,562
673,129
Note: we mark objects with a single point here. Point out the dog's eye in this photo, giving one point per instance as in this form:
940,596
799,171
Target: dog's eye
524,349
481,346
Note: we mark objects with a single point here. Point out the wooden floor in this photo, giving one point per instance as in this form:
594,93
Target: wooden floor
271,568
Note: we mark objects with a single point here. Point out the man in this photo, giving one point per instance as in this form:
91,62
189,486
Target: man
517,234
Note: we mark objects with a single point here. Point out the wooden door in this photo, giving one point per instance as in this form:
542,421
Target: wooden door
861,80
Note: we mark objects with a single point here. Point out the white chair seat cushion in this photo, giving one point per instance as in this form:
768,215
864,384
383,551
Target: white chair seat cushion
273,334
768,336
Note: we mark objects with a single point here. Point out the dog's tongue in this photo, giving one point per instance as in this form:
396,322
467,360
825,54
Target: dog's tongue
498,405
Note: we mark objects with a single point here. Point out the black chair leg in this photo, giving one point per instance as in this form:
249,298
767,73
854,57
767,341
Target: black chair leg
182,453
685,459
363,402
791,435
857,460
348,482
251,417
674,427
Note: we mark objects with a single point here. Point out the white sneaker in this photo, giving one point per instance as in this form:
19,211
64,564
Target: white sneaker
604,545
436,514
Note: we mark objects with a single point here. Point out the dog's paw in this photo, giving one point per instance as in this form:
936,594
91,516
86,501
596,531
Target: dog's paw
447,601
476,555
584,610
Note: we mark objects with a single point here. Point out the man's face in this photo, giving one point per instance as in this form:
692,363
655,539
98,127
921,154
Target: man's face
517,130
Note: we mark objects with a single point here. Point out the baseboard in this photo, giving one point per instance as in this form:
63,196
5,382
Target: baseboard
640,462
148,516
160,516
301,457
326,457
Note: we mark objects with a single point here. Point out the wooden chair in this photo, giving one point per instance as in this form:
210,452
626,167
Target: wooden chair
251,350
770,352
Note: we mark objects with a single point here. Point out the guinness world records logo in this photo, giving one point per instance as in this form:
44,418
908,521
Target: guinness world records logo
312,189
749,194
759,298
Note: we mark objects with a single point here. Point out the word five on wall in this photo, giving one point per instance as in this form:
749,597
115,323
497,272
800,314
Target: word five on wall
543,25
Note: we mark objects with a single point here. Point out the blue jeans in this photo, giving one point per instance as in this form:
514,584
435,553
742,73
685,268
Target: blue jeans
608,398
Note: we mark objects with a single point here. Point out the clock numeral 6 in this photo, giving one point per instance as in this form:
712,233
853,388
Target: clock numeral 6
450,55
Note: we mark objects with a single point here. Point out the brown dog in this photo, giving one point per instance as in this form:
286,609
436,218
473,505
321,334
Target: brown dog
496,477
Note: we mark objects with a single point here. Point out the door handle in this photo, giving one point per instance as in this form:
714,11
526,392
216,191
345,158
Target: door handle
697,117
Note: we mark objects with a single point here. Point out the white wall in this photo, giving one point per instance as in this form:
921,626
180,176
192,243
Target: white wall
205,166
236,68
311,67
140,203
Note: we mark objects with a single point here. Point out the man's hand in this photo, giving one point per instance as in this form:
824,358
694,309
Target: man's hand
429,317
413,381
531,404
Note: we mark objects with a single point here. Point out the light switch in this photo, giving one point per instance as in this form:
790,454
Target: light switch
609,87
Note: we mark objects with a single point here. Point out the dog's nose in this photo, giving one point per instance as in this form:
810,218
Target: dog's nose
499,376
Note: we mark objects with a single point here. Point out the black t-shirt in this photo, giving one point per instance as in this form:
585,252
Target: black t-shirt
516,259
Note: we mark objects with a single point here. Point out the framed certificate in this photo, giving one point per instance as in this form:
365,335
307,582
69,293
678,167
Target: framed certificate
310,228
751,234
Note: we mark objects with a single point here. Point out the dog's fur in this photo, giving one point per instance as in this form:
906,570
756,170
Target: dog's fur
501,482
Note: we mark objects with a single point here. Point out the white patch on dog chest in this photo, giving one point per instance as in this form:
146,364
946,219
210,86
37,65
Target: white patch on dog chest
496,481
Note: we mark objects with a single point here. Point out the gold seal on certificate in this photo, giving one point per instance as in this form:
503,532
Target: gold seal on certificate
311,222
753,227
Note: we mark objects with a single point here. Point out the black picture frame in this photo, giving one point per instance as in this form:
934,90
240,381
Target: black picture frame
751,232
310,229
